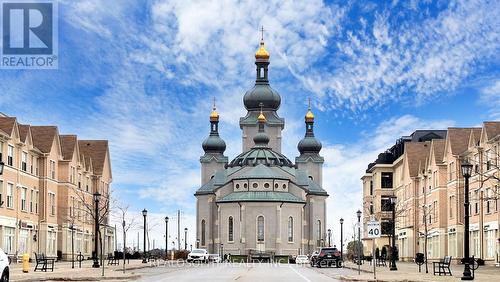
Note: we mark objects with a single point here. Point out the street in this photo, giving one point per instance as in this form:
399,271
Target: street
237,272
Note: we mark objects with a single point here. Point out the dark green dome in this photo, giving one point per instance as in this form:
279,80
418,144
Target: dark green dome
309,145
214,144
261,155
262,93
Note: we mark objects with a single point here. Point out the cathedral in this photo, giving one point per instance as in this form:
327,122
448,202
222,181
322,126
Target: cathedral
261,203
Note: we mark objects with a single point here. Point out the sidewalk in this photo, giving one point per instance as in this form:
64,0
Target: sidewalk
64,272
409,272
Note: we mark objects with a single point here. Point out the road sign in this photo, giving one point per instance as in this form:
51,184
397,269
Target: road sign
373,229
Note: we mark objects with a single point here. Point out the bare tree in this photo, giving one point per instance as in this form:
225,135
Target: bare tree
122,214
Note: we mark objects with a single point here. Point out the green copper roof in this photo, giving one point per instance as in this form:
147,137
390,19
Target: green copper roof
261,196
261,172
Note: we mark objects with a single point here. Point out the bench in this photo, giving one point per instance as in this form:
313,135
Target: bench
112,260
43,263
442,267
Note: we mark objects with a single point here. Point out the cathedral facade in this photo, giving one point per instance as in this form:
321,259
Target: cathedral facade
261,202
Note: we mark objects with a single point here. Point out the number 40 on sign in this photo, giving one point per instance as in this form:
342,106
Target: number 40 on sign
373,229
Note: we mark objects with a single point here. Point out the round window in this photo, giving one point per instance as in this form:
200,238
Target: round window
237,186
266,185
284,186
276,186
245,185
255,185
310,177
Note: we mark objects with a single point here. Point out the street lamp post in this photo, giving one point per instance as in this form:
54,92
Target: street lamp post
329,237
341,240
72,228
197,243
185,238
466,172
393,252
166,236
358,213
97,196
144,214
222,250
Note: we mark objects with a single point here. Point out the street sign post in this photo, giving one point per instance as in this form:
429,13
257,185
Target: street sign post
373,231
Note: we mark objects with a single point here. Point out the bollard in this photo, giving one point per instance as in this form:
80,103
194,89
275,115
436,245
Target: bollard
26,263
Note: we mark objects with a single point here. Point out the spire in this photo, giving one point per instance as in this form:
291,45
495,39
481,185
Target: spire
261,139
309,144
262,53
213,143
214,116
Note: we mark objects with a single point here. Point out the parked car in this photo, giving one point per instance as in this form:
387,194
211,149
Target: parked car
312,259
198,255
302,259
4,267
328,257
214,258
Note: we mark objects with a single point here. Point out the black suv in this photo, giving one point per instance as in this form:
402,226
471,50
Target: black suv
328,257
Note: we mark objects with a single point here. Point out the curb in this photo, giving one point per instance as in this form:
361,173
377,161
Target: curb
99,278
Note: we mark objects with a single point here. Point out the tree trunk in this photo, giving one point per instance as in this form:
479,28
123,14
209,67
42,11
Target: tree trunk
124,248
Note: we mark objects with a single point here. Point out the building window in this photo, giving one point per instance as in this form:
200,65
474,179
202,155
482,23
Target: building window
32,199
230,229
52,169
1,193
290,229
51,242
385,204
386,180
203,232
451,171
386,227
371,208
24,161
255,185
10,195
260,228
79,181
371,187
24,191
36,201
1,151
52,201
451,203
10,155
8,240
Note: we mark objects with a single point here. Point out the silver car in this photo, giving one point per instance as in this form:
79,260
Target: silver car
4,267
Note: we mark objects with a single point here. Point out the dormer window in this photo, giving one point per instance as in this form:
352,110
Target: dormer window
261,73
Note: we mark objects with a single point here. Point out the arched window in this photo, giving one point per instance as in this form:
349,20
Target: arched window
260,228
203,232
230,229
290,229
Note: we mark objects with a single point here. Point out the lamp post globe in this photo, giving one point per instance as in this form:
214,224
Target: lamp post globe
96,196
144,214
466,173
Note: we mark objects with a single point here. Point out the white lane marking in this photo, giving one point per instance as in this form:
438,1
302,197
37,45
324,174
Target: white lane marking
299,274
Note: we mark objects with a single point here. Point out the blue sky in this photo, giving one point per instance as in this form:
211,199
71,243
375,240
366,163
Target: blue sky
143,73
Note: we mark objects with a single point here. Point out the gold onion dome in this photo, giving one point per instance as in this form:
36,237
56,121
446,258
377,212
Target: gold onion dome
309,116
262,52
214,115
261,117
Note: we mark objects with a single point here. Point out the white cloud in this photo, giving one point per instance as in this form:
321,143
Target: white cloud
490,96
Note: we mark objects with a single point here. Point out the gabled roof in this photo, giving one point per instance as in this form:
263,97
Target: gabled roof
43,137
459,138
68,146
97,150
416,155
23,132
492,129
7,124
438,147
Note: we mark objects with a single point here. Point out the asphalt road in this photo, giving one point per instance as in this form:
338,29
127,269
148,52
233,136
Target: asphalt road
236,272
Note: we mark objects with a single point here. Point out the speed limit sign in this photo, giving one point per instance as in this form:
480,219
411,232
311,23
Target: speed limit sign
373,229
